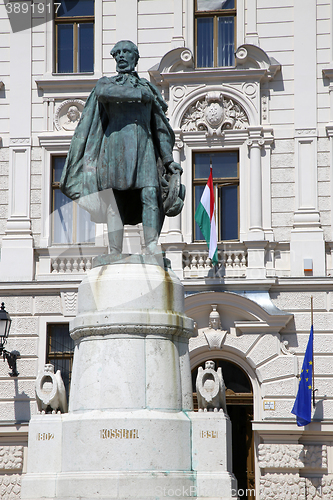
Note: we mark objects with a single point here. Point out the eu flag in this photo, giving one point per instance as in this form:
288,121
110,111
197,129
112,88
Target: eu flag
302,405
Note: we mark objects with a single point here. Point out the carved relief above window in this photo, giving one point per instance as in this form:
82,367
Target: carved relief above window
214,113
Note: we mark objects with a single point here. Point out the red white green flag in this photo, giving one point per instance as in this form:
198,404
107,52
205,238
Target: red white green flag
205,218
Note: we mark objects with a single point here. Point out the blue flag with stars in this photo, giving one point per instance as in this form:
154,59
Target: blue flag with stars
302,405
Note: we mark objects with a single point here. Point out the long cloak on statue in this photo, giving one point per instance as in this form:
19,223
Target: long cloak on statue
117,145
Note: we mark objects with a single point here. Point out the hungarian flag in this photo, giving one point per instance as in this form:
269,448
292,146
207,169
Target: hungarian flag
205,218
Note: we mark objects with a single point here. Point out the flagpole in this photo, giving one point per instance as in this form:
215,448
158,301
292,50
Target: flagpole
313,388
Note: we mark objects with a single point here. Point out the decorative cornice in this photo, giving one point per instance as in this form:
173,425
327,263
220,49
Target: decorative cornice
55,140
252,57
132,329
252,64
62,83
20,141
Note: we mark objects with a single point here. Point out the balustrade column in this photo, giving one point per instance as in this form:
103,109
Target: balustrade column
256,238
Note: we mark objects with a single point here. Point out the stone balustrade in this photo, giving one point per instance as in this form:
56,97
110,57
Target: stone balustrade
232,261
71,264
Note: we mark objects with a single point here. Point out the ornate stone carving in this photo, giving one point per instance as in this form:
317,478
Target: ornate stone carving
50,391
186,57
282,487
10,487
306,131
20,140
295,456
214,113
68,114
214,319
69,303
215,335
327,487
264,107
319,488
281,456
315,456
215,338
285,349
11,457
210,388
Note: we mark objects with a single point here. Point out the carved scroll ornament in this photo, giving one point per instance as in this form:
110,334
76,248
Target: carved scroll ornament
214,113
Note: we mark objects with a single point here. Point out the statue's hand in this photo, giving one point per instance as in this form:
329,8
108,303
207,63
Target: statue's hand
147,96
175,168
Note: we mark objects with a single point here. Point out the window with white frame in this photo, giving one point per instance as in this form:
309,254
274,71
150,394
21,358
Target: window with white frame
215,24
60,351
74,35
225,167
70,223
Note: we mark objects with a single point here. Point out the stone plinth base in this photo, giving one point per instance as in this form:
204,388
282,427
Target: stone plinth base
109,486
128,431
212,455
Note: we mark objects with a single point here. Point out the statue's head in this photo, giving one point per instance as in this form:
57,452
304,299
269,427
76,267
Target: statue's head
210,365
73,114
126,54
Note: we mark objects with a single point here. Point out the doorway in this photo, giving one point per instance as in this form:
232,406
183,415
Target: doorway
239,396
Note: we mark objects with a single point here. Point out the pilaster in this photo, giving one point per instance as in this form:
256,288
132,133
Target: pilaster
17,261
329,131
251,36
307,239
178,37
255,143
127,20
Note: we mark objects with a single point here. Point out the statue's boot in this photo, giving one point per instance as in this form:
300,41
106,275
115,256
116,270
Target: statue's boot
150,219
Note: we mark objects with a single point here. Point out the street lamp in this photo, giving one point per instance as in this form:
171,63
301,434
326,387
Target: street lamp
11,357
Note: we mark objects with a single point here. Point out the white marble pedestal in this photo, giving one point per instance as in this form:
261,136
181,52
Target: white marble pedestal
128,430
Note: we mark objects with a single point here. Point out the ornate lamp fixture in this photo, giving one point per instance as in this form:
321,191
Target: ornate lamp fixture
11,357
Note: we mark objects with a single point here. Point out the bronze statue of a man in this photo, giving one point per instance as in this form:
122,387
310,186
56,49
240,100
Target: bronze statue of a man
120,165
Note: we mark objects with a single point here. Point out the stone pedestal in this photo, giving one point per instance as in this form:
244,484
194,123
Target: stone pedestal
128,430
212,455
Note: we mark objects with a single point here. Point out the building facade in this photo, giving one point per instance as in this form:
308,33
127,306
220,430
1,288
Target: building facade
249,90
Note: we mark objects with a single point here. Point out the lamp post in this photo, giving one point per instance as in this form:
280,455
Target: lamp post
11,357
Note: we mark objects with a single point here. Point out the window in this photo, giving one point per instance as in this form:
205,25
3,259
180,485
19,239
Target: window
74,23
70,223
215,33
226,183
60,349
